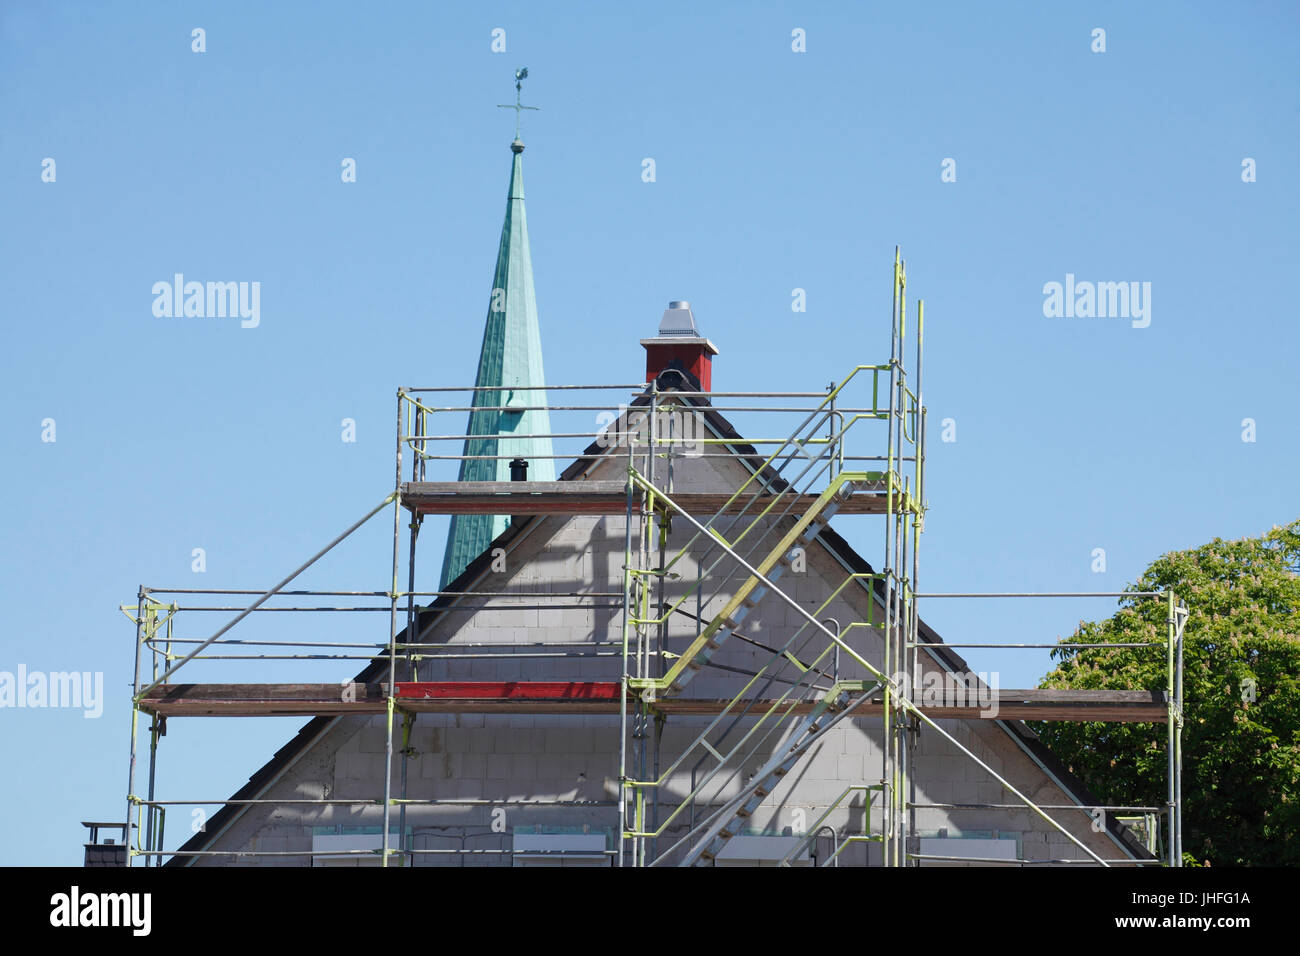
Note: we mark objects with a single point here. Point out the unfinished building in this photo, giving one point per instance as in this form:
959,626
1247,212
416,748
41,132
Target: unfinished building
663,655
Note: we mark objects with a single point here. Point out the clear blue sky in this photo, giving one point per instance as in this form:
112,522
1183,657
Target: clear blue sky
775,170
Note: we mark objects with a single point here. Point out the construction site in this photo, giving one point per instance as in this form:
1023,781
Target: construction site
663,655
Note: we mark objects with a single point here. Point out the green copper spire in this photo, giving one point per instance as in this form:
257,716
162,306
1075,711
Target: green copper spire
511,357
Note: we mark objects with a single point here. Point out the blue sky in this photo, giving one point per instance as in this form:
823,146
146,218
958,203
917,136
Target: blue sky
775,170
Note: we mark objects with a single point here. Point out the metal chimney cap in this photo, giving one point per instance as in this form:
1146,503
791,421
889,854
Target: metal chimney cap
678,319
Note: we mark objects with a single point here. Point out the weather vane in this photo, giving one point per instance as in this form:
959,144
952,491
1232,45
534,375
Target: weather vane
521,74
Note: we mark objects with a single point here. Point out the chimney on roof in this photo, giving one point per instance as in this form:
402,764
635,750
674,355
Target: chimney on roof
680,345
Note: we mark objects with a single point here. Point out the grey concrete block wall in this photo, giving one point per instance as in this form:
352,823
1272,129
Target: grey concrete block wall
578,762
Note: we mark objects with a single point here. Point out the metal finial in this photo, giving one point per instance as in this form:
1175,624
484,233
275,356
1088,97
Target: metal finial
521,74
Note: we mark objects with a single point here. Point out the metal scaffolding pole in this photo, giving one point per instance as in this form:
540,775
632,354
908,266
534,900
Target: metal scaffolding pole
894,688
135,721
623,777
392,639
1178,739
408,720
1172,835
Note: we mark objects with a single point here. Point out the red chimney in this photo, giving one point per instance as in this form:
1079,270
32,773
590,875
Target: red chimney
679,340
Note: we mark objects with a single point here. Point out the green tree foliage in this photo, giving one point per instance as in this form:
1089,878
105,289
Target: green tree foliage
1241,737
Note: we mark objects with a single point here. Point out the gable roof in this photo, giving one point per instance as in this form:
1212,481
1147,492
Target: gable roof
682,382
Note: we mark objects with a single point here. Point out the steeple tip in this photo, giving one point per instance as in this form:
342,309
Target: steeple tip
521,74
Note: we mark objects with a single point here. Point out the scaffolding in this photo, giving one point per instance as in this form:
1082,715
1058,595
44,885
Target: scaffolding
695,563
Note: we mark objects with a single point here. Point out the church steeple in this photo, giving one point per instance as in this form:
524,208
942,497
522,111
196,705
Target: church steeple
511,357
